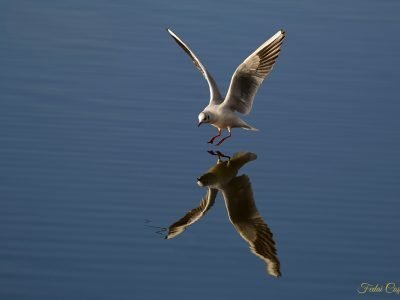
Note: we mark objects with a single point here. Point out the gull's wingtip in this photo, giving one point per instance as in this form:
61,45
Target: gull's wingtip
169,31
282,31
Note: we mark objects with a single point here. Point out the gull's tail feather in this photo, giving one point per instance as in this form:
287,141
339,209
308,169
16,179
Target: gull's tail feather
248,127
242,124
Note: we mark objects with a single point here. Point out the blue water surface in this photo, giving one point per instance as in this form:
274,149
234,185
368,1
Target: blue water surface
98,114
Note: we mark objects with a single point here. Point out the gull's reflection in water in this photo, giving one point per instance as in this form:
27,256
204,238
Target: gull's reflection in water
239,201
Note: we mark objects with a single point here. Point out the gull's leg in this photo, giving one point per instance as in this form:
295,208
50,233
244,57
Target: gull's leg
214,137
228,136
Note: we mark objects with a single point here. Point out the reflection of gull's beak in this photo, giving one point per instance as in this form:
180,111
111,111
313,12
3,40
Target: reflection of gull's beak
199,183
198,125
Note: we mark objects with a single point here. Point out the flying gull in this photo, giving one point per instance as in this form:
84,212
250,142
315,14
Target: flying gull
243,87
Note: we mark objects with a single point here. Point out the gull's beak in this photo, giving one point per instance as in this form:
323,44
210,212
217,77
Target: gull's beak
198,125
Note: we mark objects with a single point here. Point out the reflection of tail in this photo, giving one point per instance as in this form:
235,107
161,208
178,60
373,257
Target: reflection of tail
245,156
239,159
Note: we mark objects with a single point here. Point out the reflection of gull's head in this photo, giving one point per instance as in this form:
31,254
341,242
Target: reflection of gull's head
223,172
207,179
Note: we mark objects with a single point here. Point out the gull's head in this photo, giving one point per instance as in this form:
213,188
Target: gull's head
204,117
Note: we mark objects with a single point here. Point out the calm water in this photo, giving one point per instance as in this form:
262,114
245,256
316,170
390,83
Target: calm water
99,141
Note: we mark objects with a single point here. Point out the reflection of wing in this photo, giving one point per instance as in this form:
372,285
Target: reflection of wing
249,224
194,215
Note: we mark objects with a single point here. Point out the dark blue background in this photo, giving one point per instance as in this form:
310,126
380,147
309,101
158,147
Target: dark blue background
98,115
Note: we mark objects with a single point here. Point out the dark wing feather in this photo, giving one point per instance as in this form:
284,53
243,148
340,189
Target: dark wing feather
244,216
192,216
250,74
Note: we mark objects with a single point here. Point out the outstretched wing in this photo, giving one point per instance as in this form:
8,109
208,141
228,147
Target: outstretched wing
247,221
194,215
250,74
215,95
